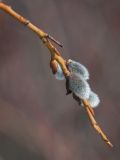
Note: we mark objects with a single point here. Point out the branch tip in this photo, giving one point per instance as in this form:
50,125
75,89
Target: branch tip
94,123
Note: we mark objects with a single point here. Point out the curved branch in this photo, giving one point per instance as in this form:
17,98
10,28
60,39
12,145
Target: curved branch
55,54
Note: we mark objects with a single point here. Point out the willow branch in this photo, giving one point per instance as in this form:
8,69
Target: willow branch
55,54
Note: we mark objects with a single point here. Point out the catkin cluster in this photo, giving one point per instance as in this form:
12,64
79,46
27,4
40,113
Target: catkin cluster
77,82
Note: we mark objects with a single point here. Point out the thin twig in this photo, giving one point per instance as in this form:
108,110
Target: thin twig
55,54
27,23
43,36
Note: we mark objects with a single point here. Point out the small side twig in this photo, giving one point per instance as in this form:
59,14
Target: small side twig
54,40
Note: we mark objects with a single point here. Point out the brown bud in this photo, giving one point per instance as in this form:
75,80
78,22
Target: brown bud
53,65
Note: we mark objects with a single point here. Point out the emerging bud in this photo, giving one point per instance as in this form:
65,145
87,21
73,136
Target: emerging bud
93,99
56,69
76,67
79,86
53,65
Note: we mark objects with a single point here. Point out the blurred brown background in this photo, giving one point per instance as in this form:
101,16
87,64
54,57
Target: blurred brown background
37,120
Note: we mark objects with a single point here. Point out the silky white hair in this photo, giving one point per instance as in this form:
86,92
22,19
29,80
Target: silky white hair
93,99
59,74
77,67
79,86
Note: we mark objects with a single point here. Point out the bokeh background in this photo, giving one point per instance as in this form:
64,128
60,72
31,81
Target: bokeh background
37,120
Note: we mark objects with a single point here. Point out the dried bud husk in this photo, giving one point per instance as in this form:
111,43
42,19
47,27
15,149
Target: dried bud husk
77,99
67,86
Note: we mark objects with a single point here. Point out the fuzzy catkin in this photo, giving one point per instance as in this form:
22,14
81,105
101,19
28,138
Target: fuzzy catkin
79,86
93,99
77,67
59,74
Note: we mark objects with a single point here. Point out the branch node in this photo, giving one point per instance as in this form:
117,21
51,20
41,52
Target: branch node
27,22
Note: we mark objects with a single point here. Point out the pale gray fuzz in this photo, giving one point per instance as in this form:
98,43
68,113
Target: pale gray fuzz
79,86
76,67
59,74
93,99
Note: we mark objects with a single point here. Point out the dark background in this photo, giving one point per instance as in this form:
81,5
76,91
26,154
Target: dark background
37,119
